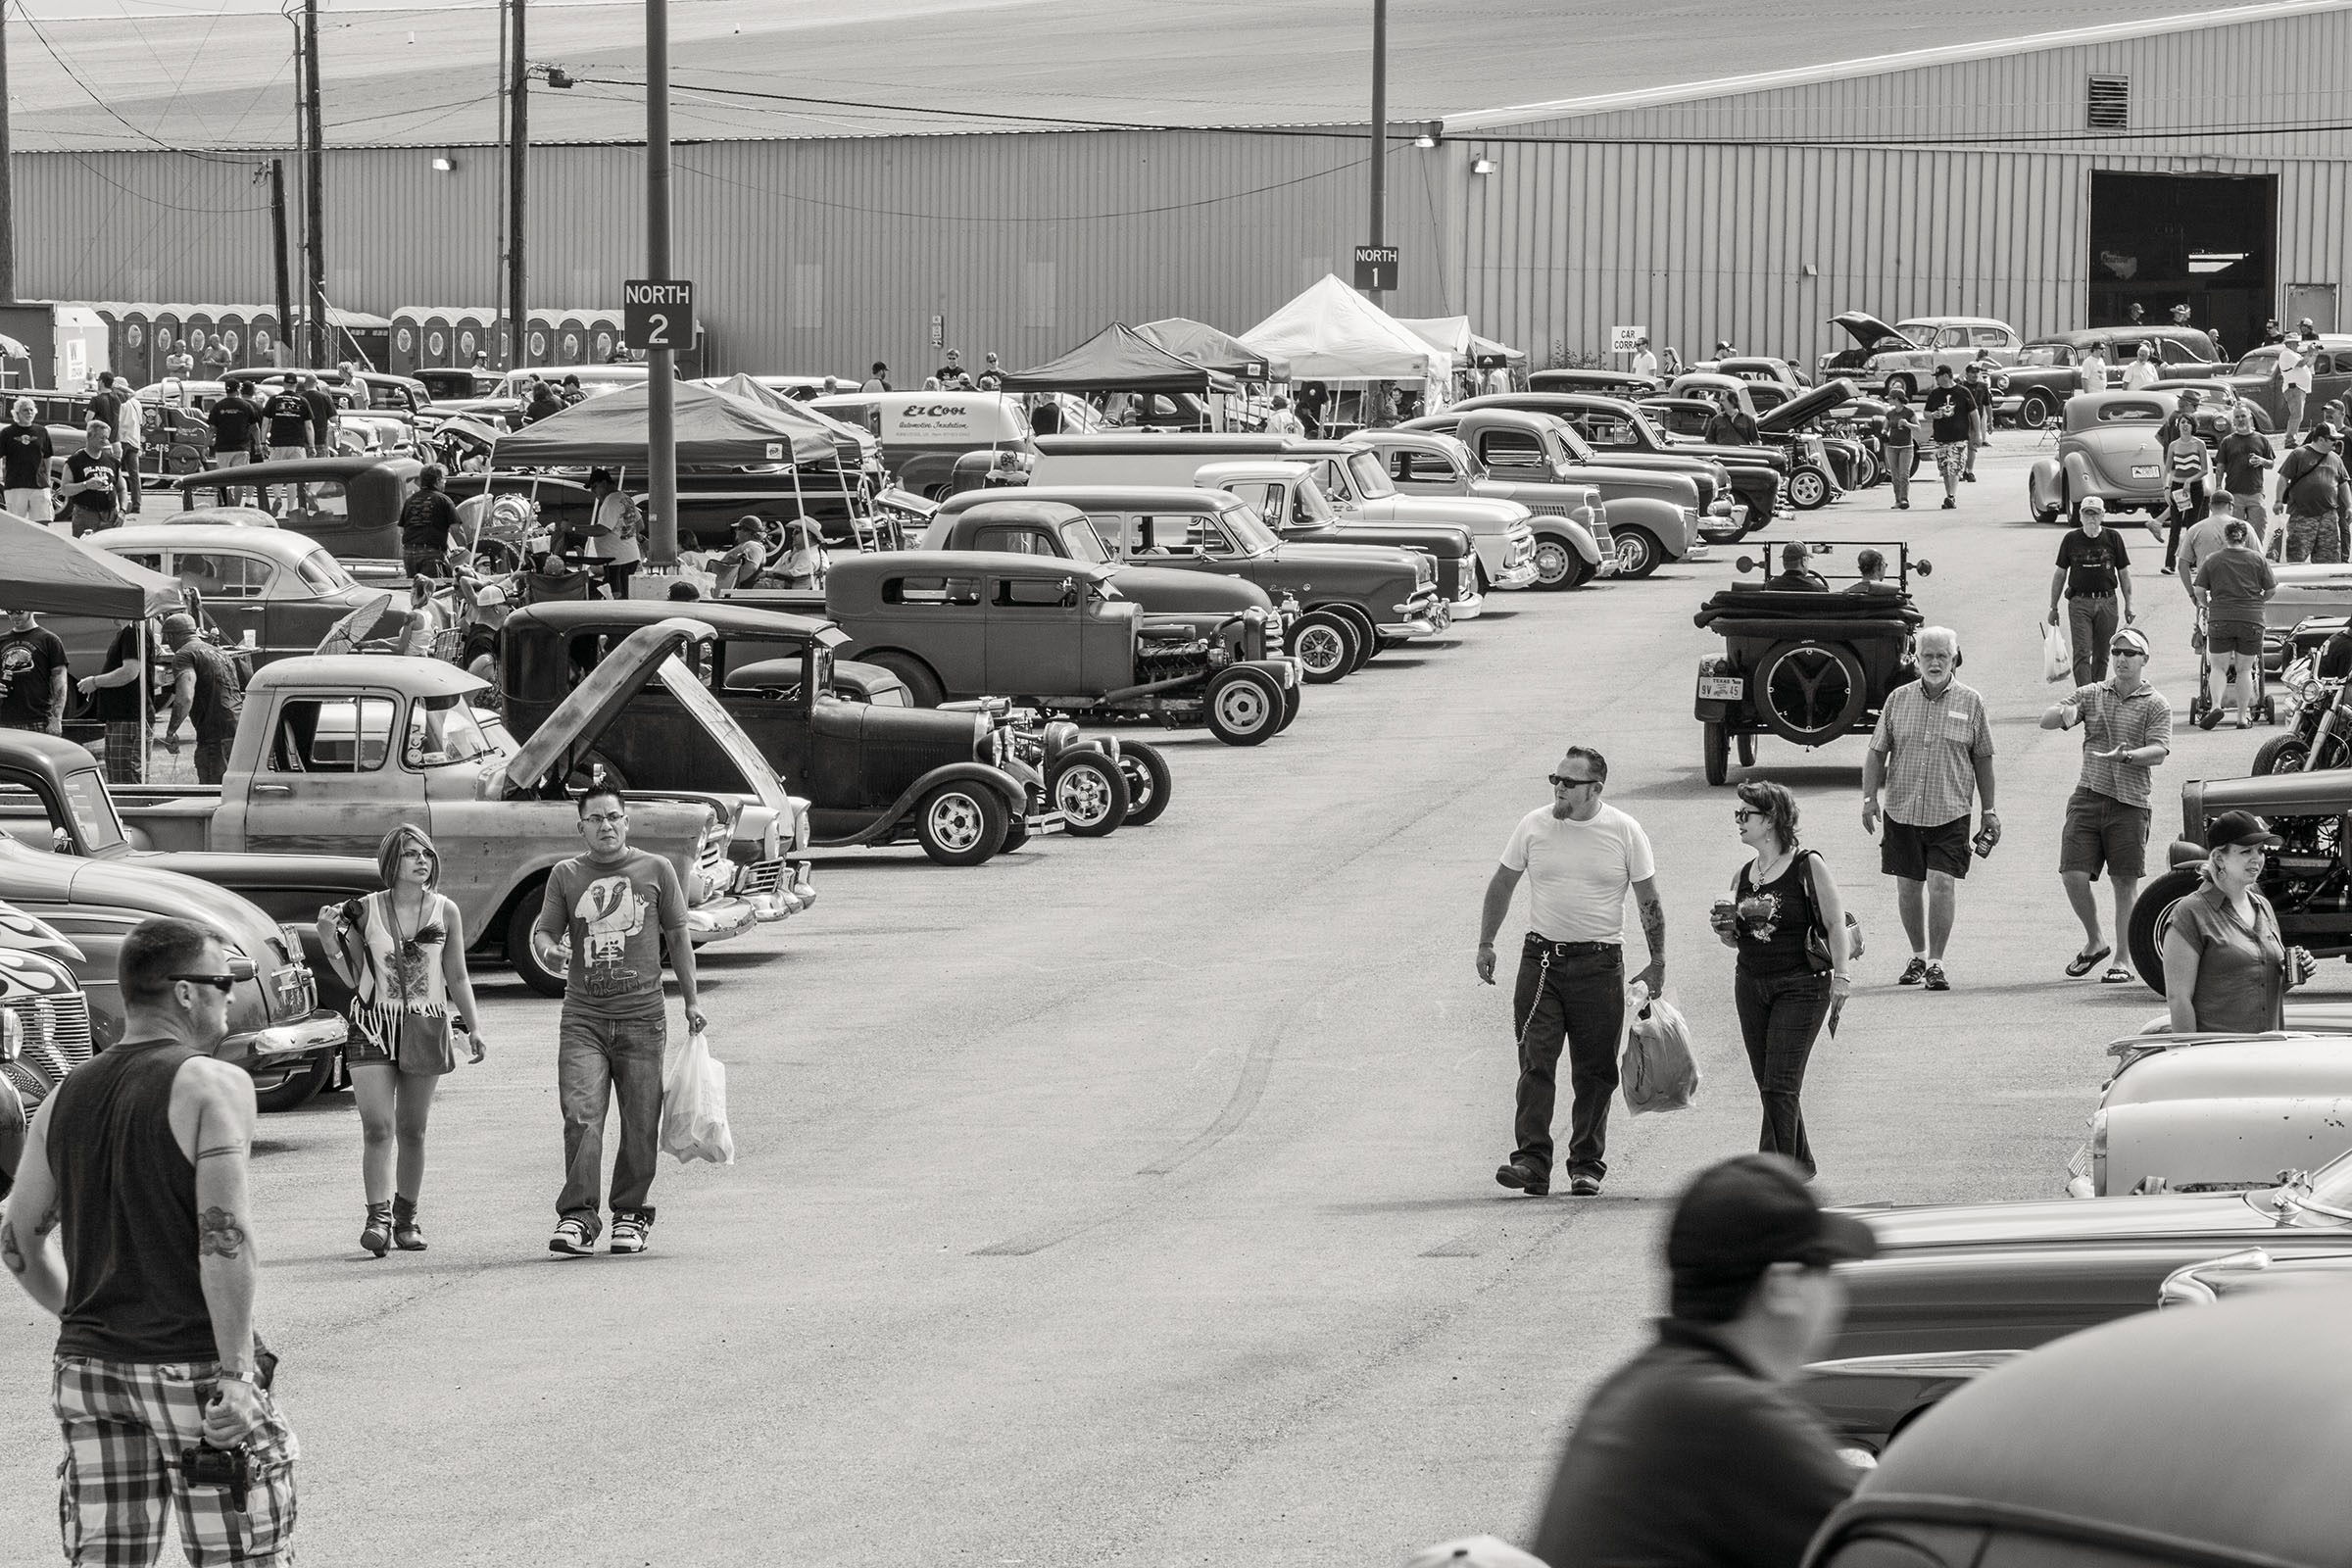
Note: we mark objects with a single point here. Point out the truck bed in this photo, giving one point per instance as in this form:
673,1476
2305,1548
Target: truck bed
167,816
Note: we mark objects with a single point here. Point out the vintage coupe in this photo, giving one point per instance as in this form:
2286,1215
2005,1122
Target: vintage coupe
1904,356
2207,1438
1807,667
1570,543
2308,879
2257,379
272,590
1055,635
2109,450
351,505
1620,433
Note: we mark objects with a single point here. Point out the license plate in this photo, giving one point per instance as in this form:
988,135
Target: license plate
2143,470
1721,688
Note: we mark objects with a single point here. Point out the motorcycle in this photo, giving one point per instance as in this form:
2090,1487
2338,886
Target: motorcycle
2318,732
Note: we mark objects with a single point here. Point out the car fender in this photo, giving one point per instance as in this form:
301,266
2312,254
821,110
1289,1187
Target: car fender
2238,1140
2080,480
1663,519
1013,791
2041,486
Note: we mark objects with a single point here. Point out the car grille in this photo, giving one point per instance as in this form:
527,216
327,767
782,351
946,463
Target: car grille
761,876
295,990
57,1040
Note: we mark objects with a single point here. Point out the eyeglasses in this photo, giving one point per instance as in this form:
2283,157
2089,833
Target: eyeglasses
1740,814
221,983
1559,783
607,818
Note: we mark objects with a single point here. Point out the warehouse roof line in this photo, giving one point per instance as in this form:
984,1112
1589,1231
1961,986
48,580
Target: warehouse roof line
1877,66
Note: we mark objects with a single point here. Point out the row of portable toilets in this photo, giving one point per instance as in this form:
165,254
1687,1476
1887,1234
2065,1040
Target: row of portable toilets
143,338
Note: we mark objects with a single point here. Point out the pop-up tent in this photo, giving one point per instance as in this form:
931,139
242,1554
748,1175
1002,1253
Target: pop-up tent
714,431
50,575
742,386
1203,344
1119,359
1332,333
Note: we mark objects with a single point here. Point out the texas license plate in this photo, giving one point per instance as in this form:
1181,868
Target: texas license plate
2143,470
1721,688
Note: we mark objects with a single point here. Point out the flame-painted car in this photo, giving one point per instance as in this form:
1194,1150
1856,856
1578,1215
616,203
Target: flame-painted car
44,1025
2109,450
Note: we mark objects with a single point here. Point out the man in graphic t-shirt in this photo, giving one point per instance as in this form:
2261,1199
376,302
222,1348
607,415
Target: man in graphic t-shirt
33,676
288,414
24,453
602,925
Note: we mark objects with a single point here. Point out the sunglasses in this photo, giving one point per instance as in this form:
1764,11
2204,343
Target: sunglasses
1559,783
2127,651
222,983
1742,815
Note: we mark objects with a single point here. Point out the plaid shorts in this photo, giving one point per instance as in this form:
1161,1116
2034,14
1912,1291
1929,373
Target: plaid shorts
126,753
125,1424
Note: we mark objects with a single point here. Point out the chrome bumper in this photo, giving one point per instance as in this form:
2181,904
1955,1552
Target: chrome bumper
1518,576
716,919
1424,627
283,1045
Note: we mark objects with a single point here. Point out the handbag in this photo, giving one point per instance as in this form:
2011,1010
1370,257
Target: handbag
1817,936
424,1045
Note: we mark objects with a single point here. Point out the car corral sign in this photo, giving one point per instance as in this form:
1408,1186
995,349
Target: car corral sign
1626,340
658,315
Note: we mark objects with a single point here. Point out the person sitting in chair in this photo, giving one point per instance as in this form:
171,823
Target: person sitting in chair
1795,575
550,578
744,562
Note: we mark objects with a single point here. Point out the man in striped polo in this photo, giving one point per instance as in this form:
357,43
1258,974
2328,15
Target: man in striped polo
2127,730
1933,756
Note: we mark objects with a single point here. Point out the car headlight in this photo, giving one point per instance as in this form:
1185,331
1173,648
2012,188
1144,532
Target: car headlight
12,1035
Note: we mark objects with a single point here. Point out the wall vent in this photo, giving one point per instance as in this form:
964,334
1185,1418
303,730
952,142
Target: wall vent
2110,102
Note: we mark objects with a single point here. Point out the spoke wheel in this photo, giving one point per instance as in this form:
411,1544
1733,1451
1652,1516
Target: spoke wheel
1090,792
960,824
1809,692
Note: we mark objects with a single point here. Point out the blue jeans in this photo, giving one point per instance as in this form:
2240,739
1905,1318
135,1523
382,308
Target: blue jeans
1577,998
1780,1016
595,1057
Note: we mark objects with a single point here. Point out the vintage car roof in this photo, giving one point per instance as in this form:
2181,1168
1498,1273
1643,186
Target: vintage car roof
298,469
2221,1428
418,678
2087,410
963,563
2099,334
727,619
1160,443
1705,381
2317,1068
1808,406
1275,465
1055,503
286,545
53,755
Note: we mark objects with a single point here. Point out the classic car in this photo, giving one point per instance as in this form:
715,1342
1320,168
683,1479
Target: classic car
2216,400
1807,667
1757,367
2109,450
1653,505
444,382
44,1026
1054,634
174,437
2048,369
924,433
272,590
1621,436
1571,544
2306,879
1350,476
2256,378
2207,1438
351,505
871,774
1309,536
1905,355
67,858
1608,384
1752,396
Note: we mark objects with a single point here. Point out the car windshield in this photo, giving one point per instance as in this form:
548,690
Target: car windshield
1247,529
2044,355
1079,539
443,730
324,574
2262,362
1371,479
2332,1183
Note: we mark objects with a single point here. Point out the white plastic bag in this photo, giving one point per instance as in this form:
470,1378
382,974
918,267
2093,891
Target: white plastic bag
1657,1071
694,1106
2057,651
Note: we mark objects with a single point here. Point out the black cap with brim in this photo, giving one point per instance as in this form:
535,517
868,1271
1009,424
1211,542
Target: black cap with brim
1739,1217
2239,829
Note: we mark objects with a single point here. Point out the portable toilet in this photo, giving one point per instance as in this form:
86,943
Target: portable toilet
603,336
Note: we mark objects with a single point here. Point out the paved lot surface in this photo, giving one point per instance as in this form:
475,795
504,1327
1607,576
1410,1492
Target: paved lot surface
1130,1201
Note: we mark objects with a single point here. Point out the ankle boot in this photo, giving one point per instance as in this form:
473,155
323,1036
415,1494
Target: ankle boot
377,1237
405,1232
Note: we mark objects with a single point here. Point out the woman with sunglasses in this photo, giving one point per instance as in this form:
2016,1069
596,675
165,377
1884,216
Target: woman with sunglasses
403,954
2226,967
1786,918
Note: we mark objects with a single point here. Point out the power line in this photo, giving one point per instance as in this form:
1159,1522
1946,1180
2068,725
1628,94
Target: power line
1958,139
107,108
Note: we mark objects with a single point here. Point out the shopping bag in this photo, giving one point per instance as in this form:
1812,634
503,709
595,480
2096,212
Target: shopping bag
1658,1071
2057,651
694,1106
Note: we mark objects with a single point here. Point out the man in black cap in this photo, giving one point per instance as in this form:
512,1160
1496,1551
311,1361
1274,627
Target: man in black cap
1695,1452
1796,573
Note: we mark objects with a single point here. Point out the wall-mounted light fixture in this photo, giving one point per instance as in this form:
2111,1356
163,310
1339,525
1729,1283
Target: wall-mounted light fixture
1482,166
1425,142
1810,271
443,164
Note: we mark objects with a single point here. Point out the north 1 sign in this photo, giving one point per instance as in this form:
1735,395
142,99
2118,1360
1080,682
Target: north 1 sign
657,315
1376,267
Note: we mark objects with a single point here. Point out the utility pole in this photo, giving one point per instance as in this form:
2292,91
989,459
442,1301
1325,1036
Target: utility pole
519,164
8,182
278,254
661,437
319,341
1379,131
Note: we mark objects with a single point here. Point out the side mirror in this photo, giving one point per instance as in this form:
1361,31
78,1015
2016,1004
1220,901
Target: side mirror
1744,563
1925,568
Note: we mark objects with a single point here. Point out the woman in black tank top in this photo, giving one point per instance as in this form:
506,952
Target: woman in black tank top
1783,912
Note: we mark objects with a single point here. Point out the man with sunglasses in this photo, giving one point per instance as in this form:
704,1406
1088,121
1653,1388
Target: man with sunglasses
1578,858
139,1162
603,923
2127,730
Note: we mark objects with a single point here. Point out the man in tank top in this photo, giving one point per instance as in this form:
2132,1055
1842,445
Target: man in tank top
138,1164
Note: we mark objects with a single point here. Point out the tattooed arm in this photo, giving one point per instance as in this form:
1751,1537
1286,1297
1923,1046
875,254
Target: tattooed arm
31,1217
1653,932
225,1253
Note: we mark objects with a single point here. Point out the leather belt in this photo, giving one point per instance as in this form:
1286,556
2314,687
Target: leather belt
1571,950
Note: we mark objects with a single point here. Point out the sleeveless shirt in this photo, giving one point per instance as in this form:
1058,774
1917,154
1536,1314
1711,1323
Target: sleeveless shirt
1774,920
126,1205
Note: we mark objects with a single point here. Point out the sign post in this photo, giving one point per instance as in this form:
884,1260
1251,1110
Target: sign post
661,414
1376,267
657,313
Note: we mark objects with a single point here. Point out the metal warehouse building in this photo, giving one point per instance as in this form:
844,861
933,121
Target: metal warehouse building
1896,164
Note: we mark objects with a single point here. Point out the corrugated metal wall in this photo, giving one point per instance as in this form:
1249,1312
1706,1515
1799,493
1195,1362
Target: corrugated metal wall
810,256
1759,244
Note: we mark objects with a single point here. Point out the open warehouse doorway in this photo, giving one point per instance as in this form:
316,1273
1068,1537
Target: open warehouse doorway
2158,240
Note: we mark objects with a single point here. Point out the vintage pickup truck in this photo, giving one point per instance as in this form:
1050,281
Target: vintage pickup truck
331,751
1055,635
68,859
1056,523
871,774
349,504
1654,516
1622,436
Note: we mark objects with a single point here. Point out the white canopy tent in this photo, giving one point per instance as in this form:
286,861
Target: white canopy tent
1332,333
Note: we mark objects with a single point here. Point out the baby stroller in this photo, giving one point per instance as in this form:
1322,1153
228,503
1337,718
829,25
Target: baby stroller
2206,708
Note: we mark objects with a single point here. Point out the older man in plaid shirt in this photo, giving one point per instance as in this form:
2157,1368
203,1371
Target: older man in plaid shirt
1933,756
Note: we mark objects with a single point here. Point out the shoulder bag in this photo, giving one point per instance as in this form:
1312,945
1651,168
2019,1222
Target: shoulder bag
1817,937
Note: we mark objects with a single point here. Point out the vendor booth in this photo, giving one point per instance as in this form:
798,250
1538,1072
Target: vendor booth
1139,383
1332,334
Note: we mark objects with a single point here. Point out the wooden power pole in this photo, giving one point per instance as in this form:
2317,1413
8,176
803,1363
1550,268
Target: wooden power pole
278,256
519,164
318,343
8,180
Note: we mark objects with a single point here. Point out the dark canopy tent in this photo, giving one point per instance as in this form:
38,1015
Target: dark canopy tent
715,431
1118,359
1203,344
50,575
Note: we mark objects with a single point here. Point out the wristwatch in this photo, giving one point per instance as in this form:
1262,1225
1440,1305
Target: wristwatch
224,1375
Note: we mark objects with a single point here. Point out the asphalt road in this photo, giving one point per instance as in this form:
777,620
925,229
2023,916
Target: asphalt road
1131,1201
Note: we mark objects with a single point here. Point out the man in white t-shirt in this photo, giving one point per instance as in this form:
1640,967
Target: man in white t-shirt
2294,375
1645,361
1579,857
2091,369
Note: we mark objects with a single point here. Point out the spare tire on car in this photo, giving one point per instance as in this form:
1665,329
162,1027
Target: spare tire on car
1810,693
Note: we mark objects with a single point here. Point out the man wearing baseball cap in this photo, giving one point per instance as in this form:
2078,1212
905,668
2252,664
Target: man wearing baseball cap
2127,730
2316,494
1695,1452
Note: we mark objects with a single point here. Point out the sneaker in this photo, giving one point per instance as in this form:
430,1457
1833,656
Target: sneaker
1914,974
629,1233
1950,504
1585,1186
572,1238
1902,505
2166,571
1520,1179
1967,478
1934,980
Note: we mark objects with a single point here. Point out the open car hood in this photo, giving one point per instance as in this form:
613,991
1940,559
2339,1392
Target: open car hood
1865,328
580,720
1806,406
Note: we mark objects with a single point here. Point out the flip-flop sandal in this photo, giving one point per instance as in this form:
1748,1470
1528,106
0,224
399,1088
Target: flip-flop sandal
2116,975
2084,962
